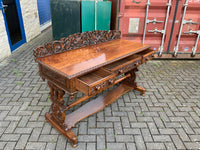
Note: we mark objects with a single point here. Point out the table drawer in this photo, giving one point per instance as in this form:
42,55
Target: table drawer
95,81
124,65
146,55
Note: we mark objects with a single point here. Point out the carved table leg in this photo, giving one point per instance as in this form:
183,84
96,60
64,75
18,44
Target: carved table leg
131,81
57,117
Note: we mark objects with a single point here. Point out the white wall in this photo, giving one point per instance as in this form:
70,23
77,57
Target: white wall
30,18
4,44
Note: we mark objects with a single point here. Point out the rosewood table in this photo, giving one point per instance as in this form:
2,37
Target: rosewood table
89,62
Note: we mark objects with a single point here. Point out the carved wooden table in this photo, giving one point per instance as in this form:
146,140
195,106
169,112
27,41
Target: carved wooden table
89,62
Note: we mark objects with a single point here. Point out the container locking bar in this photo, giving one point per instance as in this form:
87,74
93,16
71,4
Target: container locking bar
157,31
154,21
197,40
189,22
165,27
145,24
182,21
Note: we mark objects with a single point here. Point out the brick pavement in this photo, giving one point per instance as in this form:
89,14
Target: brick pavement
167,117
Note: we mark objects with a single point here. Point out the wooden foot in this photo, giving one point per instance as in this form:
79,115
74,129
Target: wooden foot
67,134
140,89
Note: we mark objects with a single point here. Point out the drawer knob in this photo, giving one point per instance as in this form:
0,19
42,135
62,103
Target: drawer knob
97,87
136,64
111,81
120,71
147,59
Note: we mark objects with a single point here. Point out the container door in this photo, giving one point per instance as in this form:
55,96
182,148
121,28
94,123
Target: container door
13,22
147,21
186,32
44,11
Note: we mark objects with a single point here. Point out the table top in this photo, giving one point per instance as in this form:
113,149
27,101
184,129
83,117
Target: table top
79,61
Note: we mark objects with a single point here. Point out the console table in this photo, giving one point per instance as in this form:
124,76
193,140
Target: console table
88,62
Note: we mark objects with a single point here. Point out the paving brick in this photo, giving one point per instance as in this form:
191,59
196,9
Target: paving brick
177,142
35,134
192,145
131,146
87,138
118,128
47,138
22,142
11,127
35,145
104,124
91,146
157,146
110,135
10,145
116,146
23,130
10,137
61,143
81,146
96,131
50,146
124,138
139,142
101,142
132,131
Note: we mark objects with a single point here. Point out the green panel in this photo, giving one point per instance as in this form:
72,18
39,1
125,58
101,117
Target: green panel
88,15
66,16
103,15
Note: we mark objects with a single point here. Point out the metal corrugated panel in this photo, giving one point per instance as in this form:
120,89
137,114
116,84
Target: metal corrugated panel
44,11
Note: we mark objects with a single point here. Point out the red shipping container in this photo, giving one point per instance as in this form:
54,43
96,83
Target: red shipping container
158,22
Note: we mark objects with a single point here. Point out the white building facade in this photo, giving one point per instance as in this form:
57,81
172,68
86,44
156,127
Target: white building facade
19,23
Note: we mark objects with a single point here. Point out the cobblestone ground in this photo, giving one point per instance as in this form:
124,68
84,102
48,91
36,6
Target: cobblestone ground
167,117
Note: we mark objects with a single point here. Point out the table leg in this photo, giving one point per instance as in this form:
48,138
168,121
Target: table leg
57,117
131,81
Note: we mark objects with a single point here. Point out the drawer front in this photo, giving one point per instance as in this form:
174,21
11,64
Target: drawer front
101,86
147,55
95,82
126,67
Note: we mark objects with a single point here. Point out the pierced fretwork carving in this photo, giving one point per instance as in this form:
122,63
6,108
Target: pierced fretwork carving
76,41
57,106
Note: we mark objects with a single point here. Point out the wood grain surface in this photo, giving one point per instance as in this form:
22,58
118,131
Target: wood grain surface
79,61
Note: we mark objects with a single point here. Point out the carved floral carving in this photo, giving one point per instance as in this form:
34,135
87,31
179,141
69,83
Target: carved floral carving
76,41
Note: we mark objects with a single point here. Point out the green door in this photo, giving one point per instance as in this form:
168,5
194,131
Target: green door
103,15
88,15
95,15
